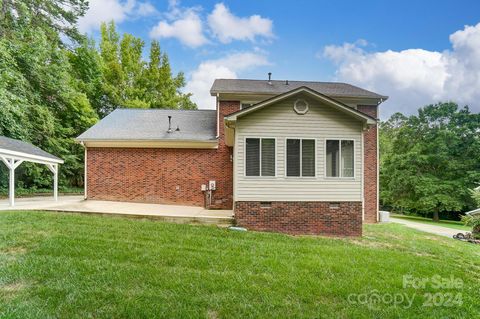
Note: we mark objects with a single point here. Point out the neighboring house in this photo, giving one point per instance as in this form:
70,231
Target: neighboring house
295,157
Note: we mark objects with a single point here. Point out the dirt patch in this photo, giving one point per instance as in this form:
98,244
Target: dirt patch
423,254
9,291
212,314
15,250
371,244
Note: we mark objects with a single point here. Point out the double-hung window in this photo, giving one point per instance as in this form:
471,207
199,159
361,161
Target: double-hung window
339,158
301,157
260,157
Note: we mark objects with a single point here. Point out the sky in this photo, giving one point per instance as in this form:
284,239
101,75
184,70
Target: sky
416,52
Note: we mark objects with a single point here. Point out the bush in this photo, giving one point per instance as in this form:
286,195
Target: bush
474,222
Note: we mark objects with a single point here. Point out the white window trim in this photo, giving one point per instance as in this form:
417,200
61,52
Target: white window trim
260,157
340,158
301,161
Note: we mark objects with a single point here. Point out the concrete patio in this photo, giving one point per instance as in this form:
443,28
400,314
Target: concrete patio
170,213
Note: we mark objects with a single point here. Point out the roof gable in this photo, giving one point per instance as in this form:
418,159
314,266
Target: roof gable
316,95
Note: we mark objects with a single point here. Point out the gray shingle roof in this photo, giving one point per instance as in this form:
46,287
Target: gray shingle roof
333,89
14,145
152,124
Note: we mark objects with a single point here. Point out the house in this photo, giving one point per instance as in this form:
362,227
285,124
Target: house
289,156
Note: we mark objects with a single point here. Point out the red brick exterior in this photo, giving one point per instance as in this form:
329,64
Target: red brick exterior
370,173
302,217
163,175
175,176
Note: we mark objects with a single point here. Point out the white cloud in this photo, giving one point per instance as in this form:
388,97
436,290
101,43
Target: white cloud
106,10
415,77
227,27
188,28
146,9
227,67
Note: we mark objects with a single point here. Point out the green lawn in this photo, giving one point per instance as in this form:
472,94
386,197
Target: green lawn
57,265
445,223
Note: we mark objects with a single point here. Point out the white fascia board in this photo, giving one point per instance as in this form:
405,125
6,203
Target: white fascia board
150,143
29,157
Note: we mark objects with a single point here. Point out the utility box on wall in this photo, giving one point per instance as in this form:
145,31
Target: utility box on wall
212,185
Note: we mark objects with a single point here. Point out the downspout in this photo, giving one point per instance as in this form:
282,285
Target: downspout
378,171
378,161
363,174
218,115
85,179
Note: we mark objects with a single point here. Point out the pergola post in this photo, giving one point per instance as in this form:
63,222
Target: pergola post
11,164
54,169
11,187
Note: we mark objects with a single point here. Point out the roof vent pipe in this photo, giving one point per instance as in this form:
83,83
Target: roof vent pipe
270,78
169,124
286,82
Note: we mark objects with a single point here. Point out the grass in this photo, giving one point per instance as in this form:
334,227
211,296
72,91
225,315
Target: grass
61,265
444,223
29,192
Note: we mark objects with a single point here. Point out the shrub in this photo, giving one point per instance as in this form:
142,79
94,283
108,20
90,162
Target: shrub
474,222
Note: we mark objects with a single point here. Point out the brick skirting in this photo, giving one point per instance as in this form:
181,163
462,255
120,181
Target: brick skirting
324,218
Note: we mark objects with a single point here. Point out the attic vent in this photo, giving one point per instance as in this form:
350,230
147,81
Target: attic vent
300,106
169,124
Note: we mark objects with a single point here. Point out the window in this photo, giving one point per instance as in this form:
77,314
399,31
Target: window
260,157
340,158
301,157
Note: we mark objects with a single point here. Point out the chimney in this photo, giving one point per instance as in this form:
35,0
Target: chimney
270,78
286,82
169,124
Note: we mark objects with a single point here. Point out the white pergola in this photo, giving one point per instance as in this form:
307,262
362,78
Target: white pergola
15,152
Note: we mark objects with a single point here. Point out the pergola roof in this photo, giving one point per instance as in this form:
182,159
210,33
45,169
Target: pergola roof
15,152
26,151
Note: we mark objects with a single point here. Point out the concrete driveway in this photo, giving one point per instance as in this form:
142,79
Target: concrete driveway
173,213
433,229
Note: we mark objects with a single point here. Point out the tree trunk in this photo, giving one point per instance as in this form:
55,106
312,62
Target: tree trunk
436,217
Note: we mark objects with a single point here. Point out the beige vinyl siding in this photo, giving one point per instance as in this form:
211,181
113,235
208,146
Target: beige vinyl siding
280,121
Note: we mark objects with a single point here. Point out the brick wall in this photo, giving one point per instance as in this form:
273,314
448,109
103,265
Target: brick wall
301,217
162,175
370,166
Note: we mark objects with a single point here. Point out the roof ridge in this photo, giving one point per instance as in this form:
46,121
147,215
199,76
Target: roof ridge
266,80
158,109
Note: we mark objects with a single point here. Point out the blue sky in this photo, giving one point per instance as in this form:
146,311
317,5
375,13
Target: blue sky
417,52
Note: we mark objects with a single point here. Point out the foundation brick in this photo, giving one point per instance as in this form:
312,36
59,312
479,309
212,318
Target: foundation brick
316,218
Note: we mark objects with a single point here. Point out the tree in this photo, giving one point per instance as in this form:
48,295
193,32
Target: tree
56,83
162,89
476,195
86,65
53,17
39,101
431,160
128,81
